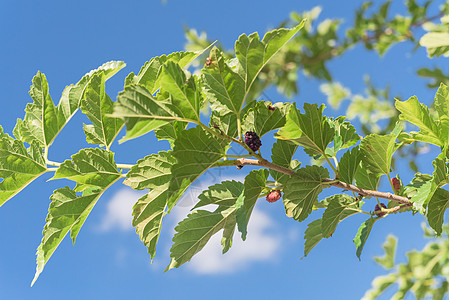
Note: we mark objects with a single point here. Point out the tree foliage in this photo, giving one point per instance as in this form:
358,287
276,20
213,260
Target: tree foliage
167,98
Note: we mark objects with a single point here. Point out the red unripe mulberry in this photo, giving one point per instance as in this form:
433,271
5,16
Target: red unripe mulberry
396,184
377,208
274,196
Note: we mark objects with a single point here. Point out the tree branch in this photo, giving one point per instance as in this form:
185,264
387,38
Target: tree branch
368,193
337,183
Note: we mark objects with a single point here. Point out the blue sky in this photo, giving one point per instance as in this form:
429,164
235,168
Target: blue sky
65,40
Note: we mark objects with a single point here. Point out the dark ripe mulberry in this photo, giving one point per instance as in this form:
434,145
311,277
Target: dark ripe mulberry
252,140
377,208
274,196
396,184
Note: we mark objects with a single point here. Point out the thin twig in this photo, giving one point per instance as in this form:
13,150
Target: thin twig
337,183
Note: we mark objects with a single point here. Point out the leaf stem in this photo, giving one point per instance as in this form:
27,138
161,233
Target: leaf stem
239,127
124,166
330,164
46,153
237,156
52,163
335,161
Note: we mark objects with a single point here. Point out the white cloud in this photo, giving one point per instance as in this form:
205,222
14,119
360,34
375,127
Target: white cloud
119,211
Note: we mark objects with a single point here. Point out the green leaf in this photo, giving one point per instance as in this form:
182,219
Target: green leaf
195,231
67,212
366,179
137,105
310,130
93,170
148,213
18,166
436,43
185,91
387,261
377,152
254,184
345,136
224,194
229,83
265,117
2,134
70,104
253,54
436,209
335,93
426,189
442,100
224,88
41,118
227,124
43,121
302,189
362,235
97,105
418,114
143,112
149,73
282,154
348,165
312,236
89,167
170,131
336,212
436,76
196,150
379,285
73,94
152,172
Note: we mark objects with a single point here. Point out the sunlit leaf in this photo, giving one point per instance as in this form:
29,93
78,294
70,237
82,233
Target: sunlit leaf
362,235
387,261
154,173
97,105
196,150
18,166
281,154
348,165
418,114
337,210
312,236
302,189
254,184
310,130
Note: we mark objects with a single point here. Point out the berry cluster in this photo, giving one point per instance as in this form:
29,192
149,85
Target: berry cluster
274,196
377,208
252,140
